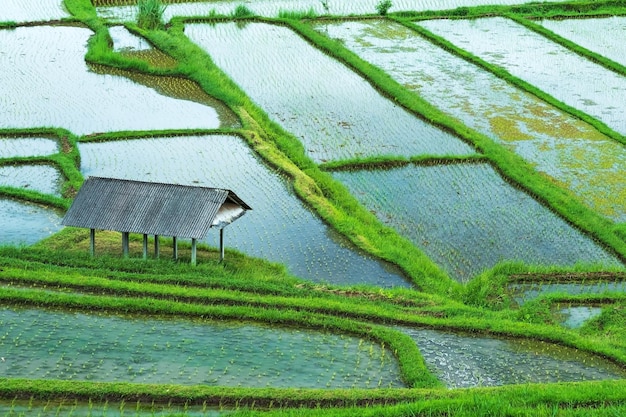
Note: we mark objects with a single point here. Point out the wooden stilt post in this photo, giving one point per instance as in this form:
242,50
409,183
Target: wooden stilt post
125,244
221,244
157,248
145,246
92,242
174,247
193,251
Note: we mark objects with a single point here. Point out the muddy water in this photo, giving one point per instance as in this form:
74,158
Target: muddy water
572,153
468,361
41,344
25,223
335,113
467,218
279,228
598,35
552,68
37,60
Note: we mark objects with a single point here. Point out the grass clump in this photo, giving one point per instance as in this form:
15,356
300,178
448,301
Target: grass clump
242,11
150,14
383,6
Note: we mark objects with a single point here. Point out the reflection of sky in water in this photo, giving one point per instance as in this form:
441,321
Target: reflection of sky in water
271,8
39,59
467,361
467,218
32,10
527,291
335,113
599,35
25,223
575,317
20,146
552,68
123,40
279,228
59,345
569,150
43,178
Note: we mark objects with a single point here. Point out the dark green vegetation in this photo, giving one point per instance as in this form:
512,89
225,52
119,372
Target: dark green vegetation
58,274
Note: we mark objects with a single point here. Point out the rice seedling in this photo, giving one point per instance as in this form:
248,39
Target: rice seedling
150,14
383,6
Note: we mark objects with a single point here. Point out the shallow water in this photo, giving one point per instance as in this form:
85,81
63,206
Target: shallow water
40,344
37,60
11,147
576,316
467,218
572,153
524,292
335,113
272,8
598,34
25,223
279,228
570,78
43,178
467,361
21,11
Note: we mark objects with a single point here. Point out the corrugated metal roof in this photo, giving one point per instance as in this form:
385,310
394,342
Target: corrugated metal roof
148,207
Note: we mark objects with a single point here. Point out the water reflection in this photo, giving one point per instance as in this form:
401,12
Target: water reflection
279,228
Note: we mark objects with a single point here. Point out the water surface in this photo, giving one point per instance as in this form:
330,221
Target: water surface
462,361
599,35
333,111
43,178
571,78
572,153
37,91
11,147
23,11
26,223
467,218
40,344
279,228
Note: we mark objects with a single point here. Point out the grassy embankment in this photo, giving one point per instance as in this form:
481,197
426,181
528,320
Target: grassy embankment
255,291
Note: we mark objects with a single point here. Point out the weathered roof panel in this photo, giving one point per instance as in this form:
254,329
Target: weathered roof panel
148,207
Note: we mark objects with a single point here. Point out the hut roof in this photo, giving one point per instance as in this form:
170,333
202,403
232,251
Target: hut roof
153,208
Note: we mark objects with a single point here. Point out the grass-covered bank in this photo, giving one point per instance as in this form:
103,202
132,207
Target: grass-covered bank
59,274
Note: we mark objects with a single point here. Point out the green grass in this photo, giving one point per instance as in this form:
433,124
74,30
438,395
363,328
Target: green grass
262,292
150,14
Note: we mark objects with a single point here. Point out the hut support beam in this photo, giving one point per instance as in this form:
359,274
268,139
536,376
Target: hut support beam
145,246
221,244
157,248
92,242
193,251
174,247
125,244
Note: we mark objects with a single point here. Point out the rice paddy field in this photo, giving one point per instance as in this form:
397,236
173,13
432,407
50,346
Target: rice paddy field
438,223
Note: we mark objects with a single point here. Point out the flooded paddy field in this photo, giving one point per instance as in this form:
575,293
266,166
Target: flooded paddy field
40,344
36,60
335,113
22,11
467,218
279,228
114,10
572,79
599,35
573,153
523,292
470,361
43,178
26,223
574,317
12,147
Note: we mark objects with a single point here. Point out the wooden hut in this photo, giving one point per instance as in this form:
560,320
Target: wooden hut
151,208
